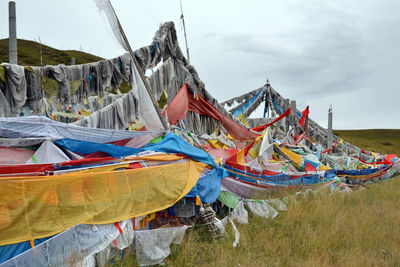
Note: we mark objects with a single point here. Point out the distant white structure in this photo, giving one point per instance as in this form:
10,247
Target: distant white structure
12,25
330,118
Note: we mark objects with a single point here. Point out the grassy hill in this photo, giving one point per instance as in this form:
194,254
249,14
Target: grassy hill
384,141
29,54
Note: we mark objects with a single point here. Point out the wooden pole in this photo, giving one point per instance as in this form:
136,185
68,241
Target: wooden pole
138,67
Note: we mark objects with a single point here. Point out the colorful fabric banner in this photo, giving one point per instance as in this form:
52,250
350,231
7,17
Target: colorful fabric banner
184,102
37,207
246,105
262,127
304,116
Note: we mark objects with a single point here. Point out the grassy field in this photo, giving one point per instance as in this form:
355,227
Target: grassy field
383,141
357,229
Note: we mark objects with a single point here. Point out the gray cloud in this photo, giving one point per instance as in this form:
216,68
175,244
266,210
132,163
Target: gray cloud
321,60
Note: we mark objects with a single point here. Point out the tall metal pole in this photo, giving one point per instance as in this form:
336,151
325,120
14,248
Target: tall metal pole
12,26
184,32
330,119
146,83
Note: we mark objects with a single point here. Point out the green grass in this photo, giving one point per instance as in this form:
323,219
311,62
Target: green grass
357,229
384,141
29,54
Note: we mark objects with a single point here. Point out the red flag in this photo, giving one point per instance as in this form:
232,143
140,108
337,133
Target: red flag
262,127
304,116
310,168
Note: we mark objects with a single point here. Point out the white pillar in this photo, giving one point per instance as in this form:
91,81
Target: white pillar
294,111
12,26
330,118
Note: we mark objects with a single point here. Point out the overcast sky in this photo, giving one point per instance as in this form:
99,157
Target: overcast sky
318,52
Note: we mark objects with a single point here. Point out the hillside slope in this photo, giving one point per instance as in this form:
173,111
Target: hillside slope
386,141
29,54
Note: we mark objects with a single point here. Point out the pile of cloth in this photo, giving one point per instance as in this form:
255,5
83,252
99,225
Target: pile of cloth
57,178
87,173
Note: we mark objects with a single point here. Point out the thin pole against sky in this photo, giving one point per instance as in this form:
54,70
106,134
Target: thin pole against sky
184,32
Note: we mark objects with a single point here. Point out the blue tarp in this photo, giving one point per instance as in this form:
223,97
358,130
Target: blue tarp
207,187
175,144
170,144
86,148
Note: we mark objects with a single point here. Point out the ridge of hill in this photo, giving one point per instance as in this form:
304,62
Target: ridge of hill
29,54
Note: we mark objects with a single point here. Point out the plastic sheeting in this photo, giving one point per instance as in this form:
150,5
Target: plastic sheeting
78,245
240,214
48,153
153,246
277,204
36,207
70,247
33,127
261,208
